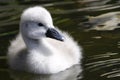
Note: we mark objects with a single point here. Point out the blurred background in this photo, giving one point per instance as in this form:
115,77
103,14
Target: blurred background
94,24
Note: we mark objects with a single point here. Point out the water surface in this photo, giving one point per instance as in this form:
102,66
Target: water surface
86,21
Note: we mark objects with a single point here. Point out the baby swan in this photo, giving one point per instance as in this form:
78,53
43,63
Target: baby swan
40,47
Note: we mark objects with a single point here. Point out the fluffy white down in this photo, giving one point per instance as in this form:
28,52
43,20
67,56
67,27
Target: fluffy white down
48,56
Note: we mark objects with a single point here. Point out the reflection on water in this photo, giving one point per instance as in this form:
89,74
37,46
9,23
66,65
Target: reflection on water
108,21
71,74
111,66
93,23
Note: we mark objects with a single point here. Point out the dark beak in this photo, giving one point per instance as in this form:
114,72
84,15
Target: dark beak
52,33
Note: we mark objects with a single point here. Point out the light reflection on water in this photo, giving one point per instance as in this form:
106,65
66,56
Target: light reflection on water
71,74
100,48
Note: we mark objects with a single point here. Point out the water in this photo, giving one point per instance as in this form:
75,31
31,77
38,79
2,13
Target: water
86,21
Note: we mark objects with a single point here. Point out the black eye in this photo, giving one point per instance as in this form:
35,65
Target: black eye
118,24
40,24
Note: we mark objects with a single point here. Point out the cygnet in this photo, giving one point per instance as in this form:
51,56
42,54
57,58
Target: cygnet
40,47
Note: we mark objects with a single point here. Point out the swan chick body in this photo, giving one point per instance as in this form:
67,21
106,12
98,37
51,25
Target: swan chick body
40,47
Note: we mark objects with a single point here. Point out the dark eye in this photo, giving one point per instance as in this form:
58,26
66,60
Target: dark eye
118,24
40,24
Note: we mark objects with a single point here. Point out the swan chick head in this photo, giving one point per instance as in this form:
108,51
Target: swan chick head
36,23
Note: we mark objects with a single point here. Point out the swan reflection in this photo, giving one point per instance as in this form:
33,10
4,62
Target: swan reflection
72,73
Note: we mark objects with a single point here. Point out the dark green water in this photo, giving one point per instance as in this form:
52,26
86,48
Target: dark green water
101,46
